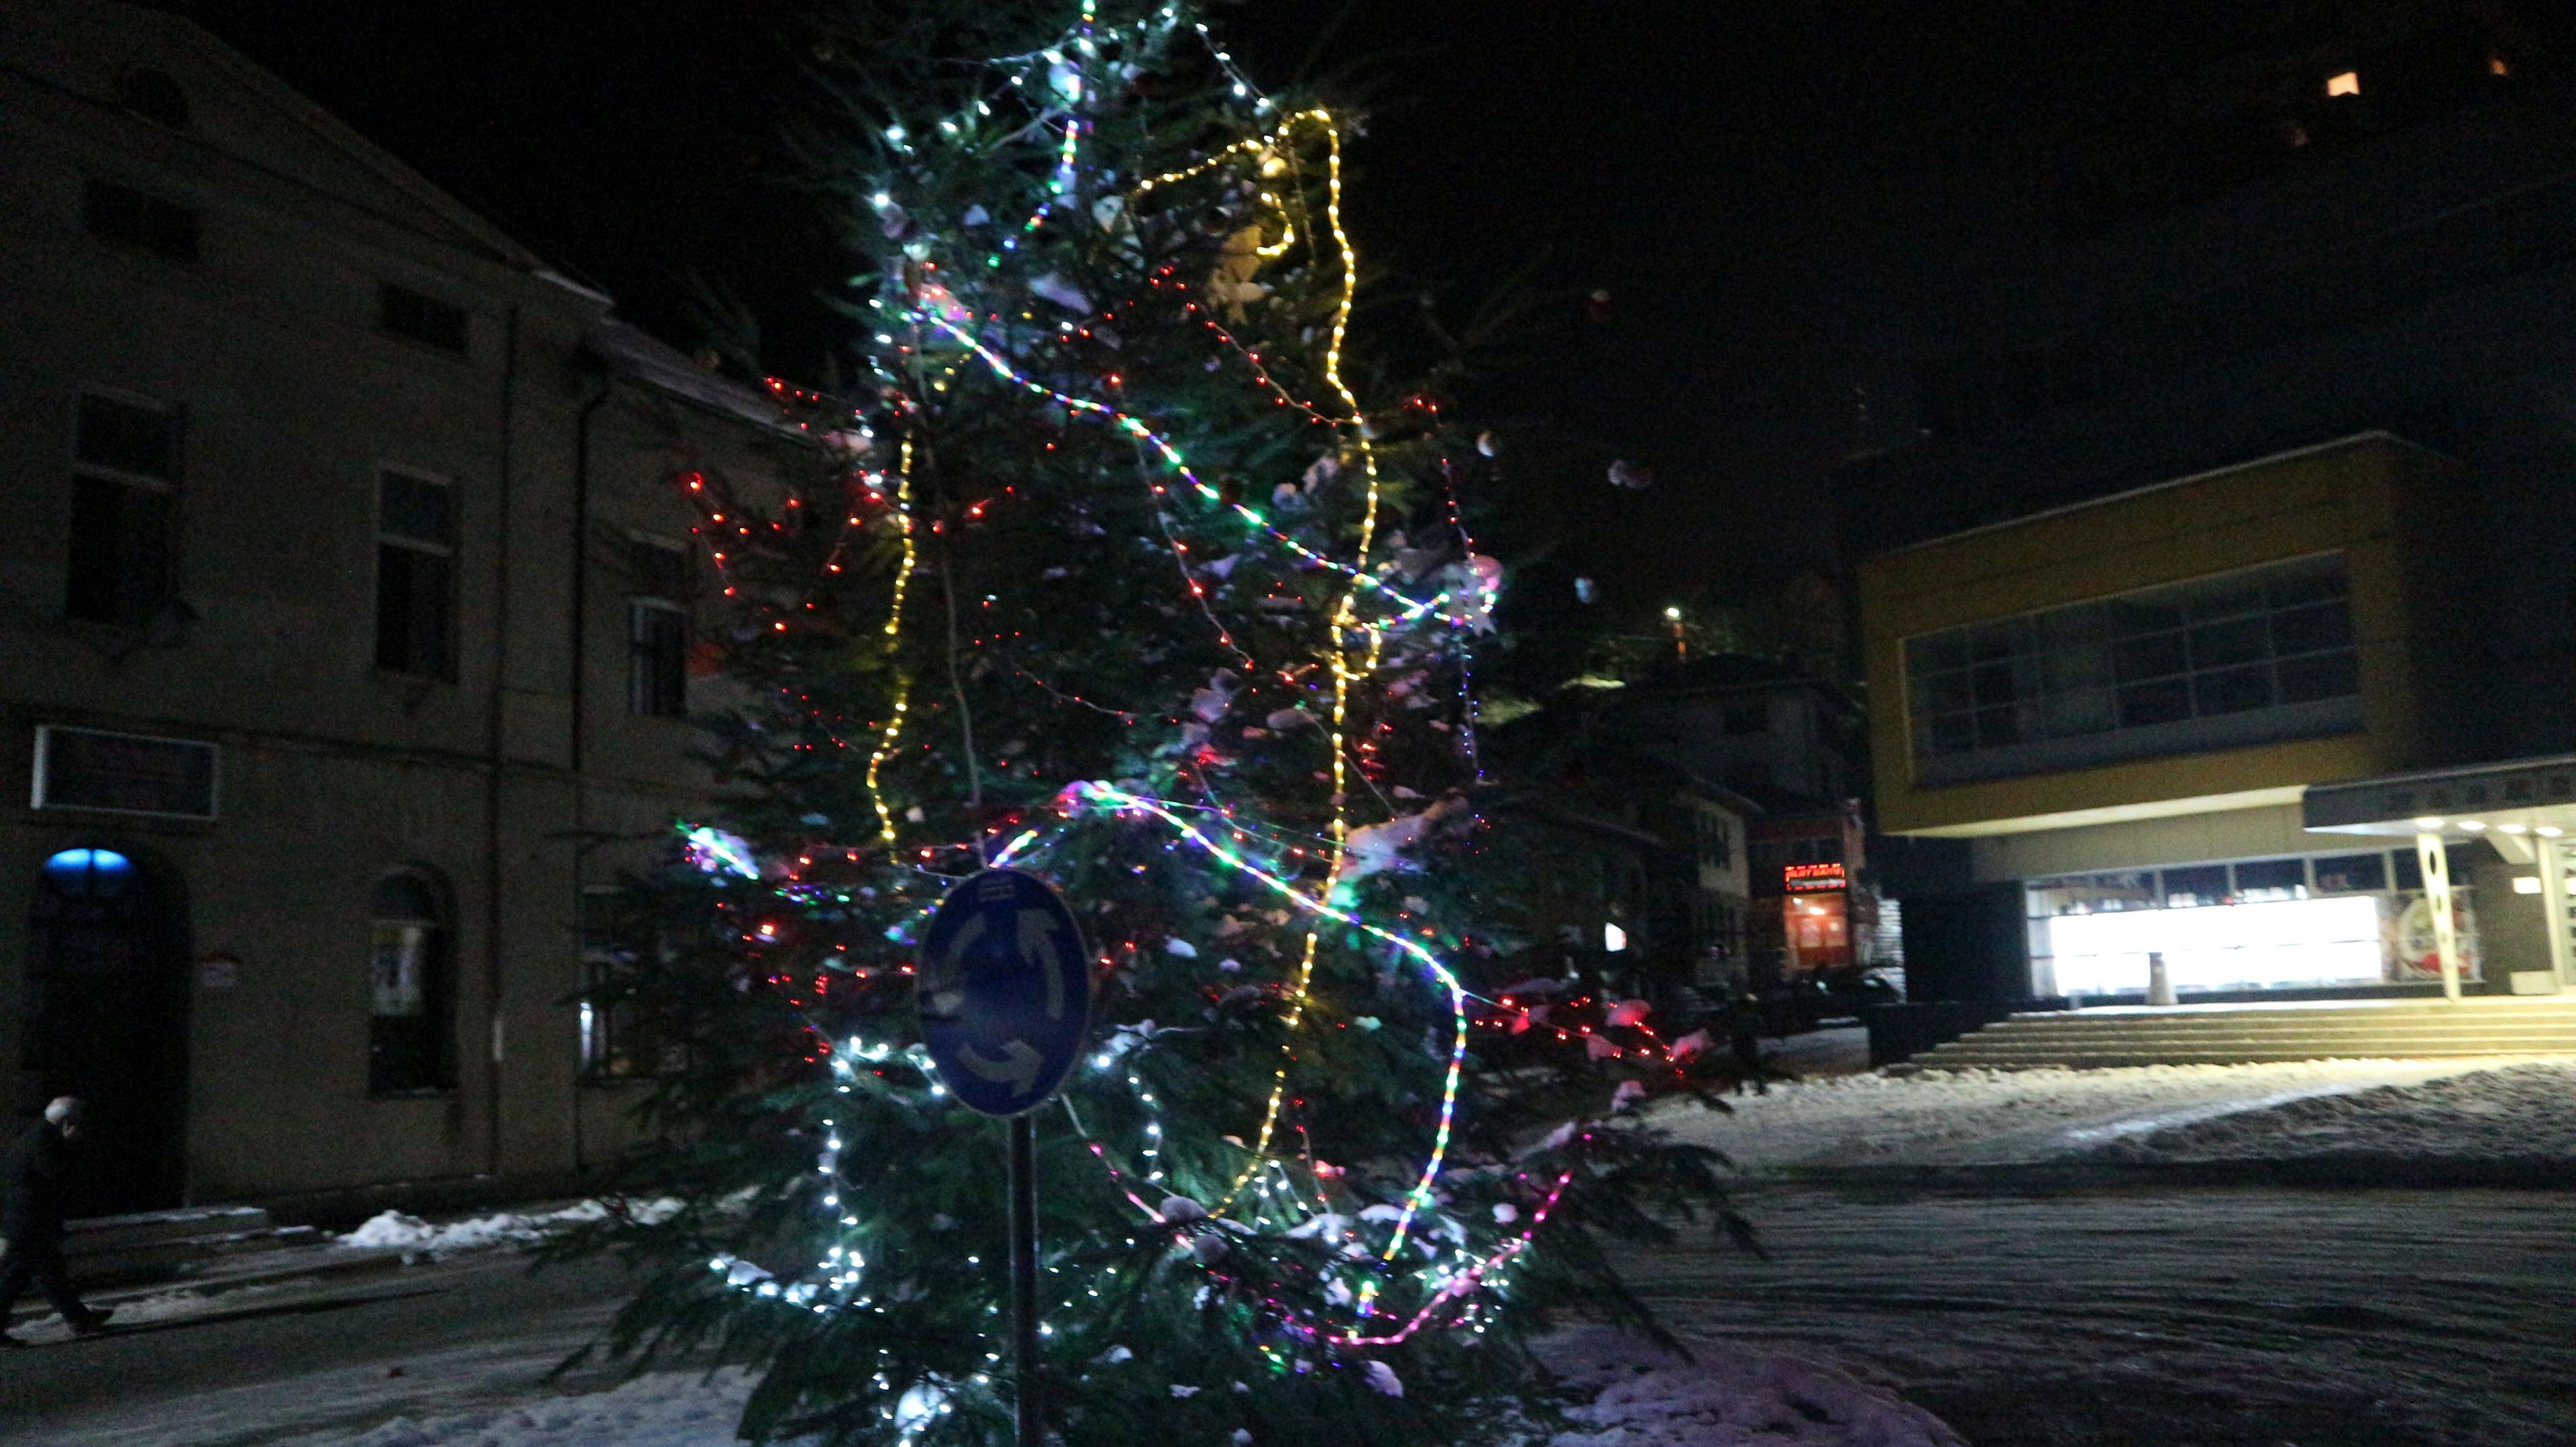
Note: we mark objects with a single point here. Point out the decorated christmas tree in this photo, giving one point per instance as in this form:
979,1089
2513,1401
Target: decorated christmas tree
1122,569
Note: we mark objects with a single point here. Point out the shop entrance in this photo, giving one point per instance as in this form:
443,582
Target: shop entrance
105,1018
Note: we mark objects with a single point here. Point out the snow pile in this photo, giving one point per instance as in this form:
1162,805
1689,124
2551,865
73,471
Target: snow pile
1729,1394
393,1230
1989,1117
666,1409
2511,1115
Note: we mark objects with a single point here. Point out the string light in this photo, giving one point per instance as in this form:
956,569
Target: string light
902,698
936,312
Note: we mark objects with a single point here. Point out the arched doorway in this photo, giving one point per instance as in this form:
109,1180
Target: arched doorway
106,1020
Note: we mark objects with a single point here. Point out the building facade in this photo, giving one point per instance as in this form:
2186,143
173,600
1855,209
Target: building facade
2229,477
2123,707
345,634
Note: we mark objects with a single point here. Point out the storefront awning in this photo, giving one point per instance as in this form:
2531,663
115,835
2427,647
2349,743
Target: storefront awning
2506,803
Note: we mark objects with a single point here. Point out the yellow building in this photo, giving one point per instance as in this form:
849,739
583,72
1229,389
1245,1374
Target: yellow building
2121,705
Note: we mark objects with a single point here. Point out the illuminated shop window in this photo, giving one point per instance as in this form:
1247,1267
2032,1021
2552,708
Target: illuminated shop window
2330,921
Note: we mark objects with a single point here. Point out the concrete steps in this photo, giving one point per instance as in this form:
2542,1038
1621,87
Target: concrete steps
204,1250
120,1250
2262,1034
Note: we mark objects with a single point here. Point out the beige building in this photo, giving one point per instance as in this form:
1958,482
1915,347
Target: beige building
346,606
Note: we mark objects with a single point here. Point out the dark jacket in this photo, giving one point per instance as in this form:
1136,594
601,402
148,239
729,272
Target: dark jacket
31,1187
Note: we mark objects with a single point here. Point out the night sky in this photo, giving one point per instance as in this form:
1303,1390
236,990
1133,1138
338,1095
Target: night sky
1758,187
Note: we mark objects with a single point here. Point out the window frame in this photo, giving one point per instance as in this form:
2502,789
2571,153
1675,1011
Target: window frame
429,305
153,208
642,697
614,1036
2060,684
439,1004
382,538
84,470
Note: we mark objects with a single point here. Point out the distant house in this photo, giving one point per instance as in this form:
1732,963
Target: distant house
1641,863
350,585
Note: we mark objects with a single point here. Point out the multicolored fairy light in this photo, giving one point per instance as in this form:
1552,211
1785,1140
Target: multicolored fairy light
936,334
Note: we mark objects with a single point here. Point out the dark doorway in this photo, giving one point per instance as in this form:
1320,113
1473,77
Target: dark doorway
106,1020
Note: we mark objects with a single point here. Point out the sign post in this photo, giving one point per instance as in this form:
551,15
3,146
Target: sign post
1004,997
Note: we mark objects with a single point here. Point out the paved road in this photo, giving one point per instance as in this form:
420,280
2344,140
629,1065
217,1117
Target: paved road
2136,1318
258,1366
2170,1318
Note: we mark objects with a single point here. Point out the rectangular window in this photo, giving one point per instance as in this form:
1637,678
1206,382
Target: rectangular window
2260,880
125,477
1716,843
657,632
121,213
415,575
422,318
619,1035
2352,873
2247,657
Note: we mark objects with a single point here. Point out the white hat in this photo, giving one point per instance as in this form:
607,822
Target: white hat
65,1109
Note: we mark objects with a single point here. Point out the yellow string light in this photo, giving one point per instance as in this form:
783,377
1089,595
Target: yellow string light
1343,613
894,642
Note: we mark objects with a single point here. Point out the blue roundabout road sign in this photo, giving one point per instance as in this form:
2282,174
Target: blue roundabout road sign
1004,991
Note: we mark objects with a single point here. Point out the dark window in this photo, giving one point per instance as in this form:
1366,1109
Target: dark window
1716,840
2266,879
153,95
121,213
2198,885
426,319
657,632
411,1028
415,576
622,1037
1752,716
125,474
2352,873
2406,869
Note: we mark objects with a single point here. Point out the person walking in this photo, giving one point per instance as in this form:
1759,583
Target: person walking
31,1221
1744,1038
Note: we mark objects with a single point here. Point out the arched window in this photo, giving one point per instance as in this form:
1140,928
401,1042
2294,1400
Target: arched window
411,1035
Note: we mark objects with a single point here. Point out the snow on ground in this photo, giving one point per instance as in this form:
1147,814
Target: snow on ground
664,1409
2520,1113
1727,1394
1994,1117
1839,1050
1624,1393
393,1229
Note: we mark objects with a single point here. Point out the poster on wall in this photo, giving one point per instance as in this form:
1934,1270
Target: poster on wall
2407,941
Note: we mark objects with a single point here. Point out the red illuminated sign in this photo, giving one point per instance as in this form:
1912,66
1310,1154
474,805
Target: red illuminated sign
1811,876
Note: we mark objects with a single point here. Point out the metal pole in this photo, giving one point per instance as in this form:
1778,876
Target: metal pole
1024,1278
2435,865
